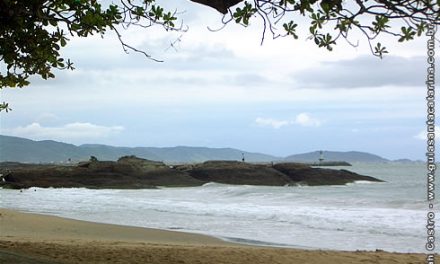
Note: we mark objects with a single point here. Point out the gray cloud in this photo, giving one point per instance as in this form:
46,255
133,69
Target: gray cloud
365,71
173,57
247,79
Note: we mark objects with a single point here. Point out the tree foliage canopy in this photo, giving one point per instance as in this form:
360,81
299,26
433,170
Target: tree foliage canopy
32,32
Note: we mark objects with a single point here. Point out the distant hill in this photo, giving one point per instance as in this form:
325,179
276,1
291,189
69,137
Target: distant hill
30,151
25,150
48,151
350,156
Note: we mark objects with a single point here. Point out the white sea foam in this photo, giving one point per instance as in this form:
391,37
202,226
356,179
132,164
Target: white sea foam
362,182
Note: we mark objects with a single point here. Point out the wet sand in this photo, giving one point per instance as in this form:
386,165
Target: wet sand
33,238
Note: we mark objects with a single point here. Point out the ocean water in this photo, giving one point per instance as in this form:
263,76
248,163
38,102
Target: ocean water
389,216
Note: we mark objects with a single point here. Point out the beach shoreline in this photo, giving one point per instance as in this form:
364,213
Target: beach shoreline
35,238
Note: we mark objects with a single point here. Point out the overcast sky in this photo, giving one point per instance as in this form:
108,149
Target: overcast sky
224,89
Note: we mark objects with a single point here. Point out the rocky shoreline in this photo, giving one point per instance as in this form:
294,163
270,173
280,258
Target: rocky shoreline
131,172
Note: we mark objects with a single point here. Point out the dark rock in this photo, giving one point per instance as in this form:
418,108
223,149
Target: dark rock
330,163
141,164
132,172
97,174
303,174
234,172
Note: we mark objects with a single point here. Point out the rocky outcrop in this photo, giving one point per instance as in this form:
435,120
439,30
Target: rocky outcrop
132,172
234,172
141,164
128,173
329,163
305,175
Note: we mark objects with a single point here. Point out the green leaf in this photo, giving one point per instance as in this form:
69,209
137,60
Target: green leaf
290,28
244,15
63,42
379,50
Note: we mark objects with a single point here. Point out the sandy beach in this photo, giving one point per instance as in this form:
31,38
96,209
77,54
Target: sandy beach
33,238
